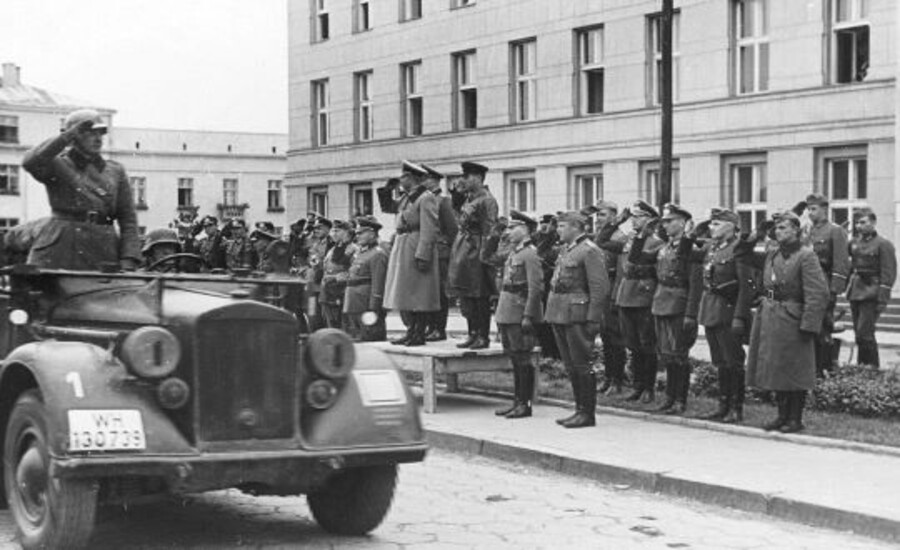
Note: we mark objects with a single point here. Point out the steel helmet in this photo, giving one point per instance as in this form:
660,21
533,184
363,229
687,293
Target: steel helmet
160,236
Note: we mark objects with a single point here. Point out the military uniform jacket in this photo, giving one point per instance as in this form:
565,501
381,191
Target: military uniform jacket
76,186
447,225
365,280
522,286
679,280
239,253
874,268
335,272
211,250
636,281
580,285
468,275
727,290
611,241
829,242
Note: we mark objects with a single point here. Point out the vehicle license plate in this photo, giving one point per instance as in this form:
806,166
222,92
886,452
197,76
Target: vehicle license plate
106,430
380,387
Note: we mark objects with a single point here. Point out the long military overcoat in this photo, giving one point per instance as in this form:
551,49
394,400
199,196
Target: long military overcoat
407,288
469,276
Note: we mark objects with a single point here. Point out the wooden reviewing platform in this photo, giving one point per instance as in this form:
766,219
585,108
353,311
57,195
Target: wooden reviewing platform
445,358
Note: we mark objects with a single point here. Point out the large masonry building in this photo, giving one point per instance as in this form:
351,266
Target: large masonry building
774,99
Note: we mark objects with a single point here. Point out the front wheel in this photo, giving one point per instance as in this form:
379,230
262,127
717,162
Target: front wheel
49,513
355,501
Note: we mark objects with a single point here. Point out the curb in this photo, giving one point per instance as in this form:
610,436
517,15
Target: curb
660,482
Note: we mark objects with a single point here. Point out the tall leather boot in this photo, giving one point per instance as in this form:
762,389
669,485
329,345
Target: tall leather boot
525,371
795,413
576,393
408,318
482,327
517,381
607,370
471,338
682,381
781,400
587,408
637,375
418,332
650,366
724,396
736,415
671,384
616,369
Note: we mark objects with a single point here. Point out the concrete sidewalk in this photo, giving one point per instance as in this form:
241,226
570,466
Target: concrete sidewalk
834,488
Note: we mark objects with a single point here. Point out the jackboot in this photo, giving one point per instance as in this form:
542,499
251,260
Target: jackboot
471,338
517,382
797,401
650,366
781,400
576,394
736,415
587,408
867,354
724,396
637,376
409,331
436,335
615,367
482,329
418,333
682,377
525,373
671,384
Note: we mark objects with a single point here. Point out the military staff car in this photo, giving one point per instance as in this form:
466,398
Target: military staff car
119,386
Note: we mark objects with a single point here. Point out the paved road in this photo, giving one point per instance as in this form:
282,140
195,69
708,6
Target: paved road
457,502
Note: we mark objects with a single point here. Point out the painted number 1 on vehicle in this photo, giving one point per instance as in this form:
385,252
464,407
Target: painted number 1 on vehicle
75,379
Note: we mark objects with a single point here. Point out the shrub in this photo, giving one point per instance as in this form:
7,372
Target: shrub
860,391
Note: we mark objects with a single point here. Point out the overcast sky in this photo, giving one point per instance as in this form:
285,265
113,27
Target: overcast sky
185,64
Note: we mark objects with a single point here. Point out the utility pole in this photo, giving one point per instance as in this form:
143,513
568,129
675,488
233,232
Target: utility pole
665,83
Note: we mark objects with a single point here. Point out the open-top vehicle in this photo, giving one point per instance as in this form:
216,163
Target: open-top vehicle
116,386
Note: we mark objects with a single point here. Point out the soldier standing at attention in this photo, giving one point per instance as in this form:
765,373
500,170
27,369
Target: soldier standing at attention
611,240
782,356
634,298
210,247
675,305
239,252
335,272
470,279
725,312
365,283
520,307
546,240
87,195
872,278
829,241
448,228
413,281
578,290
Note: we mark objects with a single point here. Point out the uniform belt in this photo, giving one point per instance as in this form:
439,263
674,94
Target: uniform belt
779,297
673,283
640,272
560,289
359,282
405,230
91,216
515,287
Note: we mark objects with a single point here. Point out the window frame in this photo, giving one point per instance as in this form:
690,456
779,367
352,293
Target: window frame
363,107
575,197
654,57
648,192
757,42
585,66
186,185
358,190
464,64
410,10
523,80
409,96
138,186
759,187
12,176
277,191
230,192
320,14
320,112
313,195
858,20
826,158
9,129
512,195
362,16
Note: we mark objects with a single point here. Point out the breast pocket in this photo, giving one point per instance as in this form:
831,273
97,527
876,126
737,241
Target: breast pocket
578,309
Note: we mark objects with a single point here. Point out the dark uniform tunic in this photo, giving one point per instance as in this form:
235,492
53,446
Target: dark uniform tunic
611,241
829,242
636,285
335,273
677,296
239,253
365,292
87,194
469,276
548,246
211,250
521,293
578,292
874,271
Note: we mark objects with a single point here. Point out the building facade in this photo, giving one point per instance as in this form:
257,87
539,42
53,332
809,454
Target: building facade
773,100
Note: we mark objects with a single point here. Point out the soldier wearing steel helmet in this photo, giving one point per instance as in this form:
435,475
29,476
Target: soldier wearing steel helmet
160,244
88,195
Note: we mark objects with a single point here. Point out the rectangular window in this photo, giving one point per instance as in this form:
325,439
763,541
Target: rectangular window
362,98
849,40
361,199
185,192
846,184
317,200
274,196
321,126
590,66
361,21
139,191
9,179
654,57
7,224
524,81
9,129
585,186
320,24
751,46
411,99
410,9
650,180
748,190
465,91
520,192
229,192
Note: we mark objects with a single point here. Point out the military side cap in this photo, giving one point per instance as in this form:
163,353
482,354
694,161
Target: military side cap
643,207
548,218
606,205
725,215
673,210
816,198
413,168
342,224
431,171
322,221
572,216
368,222
786,216
474,168
518,218
209,220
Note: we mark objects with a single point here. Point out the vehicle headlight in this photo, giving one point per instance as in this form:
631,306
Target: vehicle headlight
151,352
330,353
173,393
321,394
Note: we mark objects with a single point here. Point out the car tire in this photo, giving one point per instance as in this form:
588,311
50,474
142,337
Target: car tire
49,513
355,501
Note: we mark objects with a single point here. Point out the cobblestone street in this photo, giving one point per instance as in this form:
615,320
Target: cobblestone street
452,501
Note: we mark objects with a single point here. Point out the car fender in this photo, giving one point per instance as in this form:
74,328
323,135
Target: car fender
78,375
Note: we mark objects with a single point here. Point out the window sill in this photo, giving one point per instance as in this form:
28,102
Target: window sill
314,42
410,20
362,31
186,207
141,207
462,7
275,209
9,193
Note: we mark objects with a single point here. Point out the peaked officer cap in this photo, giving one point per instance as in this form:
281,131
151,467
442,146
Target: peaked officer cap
573,216
518,218
431,171
474,168
673,210
209,220
606,205
342,224
322,221
786,216
81,115
548,218
725,215
413,168
817,199
367,222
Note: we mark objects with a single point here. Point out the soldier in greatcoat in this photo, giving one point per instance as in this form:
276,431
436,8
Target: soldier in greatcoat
636,284
725,311
470,279
675,304
413,279
365,284
448,228
578,290
829,242
519,307
872,277
781,357
335,272
87,195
